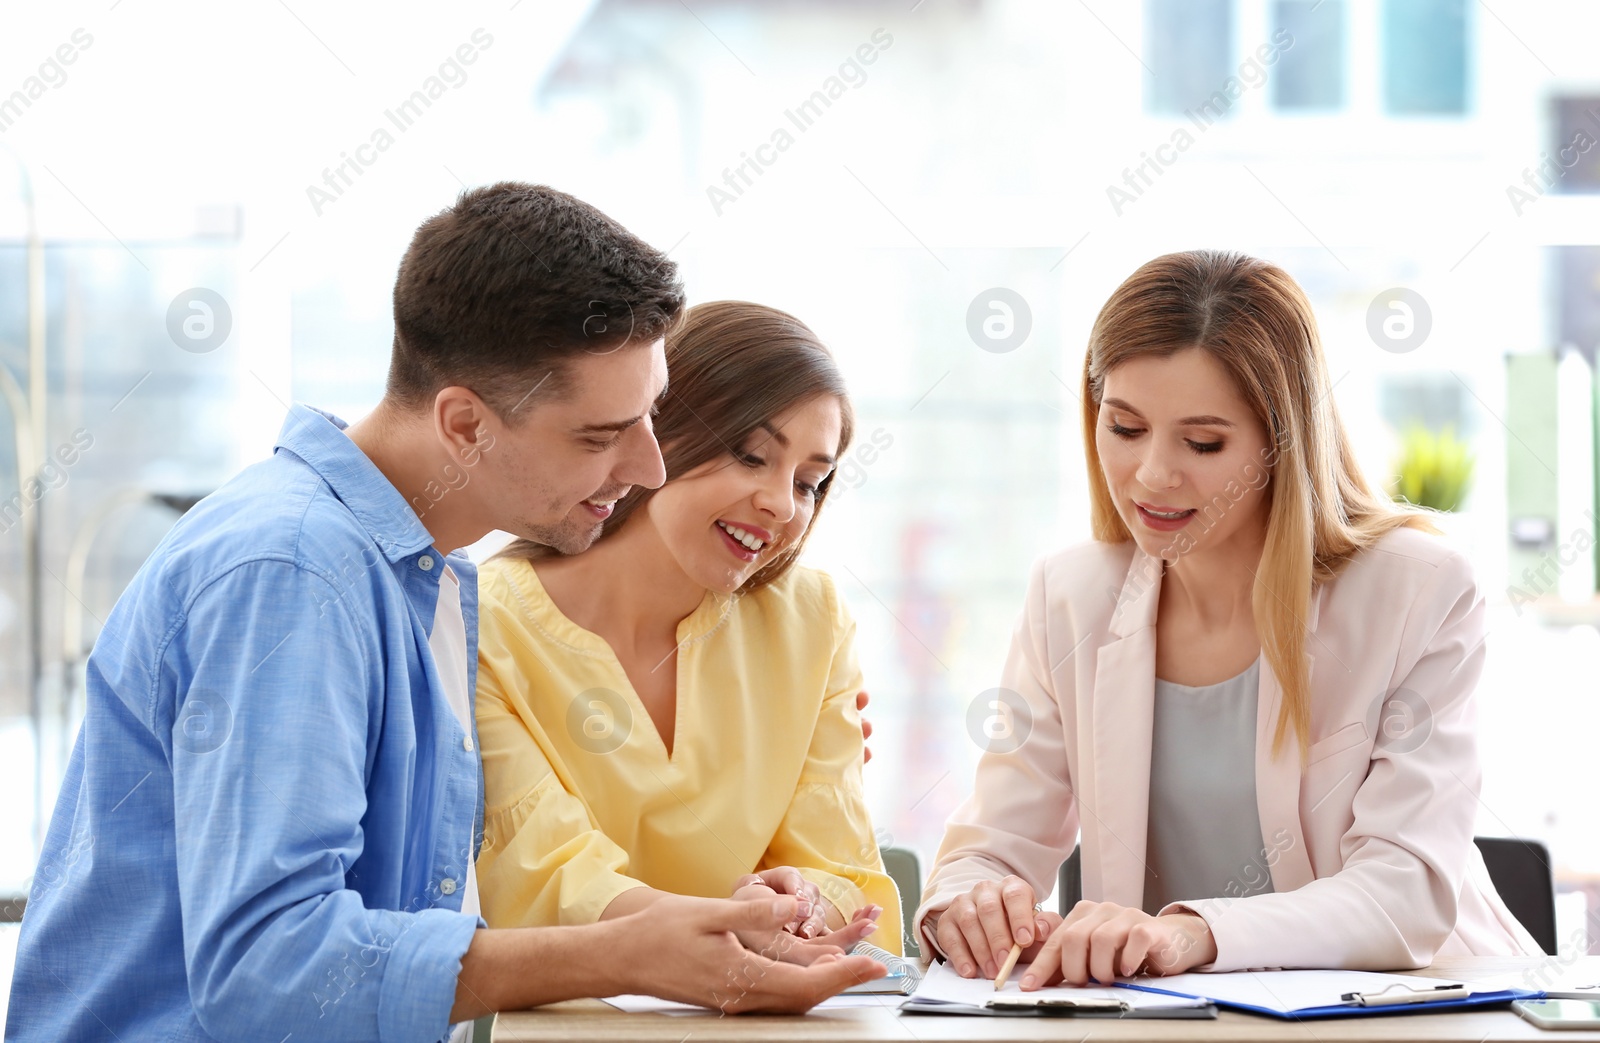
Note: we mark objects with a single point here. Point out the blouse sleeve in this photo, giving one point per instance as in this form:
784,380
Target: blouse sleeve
826,833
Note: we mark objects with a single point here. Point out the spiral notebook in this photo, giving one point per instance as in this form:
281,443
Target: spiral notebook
902,979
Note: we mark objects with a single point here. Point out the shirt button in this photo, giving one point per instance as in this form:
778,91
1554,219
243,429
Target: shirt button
466,744
447,886
425,563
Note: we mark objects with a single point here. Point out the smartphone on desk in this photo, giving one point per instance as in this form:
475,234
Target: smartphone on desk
1560,1014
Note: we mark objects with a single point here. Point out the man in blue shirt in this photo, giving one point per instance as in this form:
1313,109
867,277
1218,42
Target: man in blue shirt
268,826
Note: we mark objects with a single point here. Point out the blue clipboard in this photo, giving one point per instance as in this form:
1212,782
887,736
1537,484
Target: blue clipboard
1422,1005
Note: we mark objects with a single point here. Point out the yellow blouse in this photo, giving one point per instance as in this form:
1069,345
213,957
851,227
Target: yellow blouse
582,801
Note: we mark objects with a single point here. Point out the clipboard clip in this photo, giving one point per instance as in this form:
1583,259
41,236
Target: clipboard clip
1400,993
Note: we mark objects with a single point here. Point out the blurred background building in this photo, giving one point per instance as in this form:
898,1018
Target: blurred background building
201,214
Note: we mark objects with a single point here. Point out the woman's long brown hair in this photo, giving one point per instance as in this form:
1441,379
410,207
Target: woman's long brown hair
732,366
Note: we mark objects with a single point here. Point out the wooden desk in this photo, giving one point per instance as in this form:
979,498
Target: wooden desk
594,1020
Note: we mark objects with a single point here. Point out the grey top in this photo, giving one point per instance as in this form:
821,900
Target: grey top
1204,837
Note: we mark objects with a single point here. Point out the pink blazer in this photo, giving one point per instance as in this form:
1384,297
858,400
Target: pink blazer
1368,843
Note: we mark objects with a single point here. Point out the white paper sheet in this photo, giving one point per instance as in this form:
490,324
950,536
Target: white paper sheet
1555,981
945,985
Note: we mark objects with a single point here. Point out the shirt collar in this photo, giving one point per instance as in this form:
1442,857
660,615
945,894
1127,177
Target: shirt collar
318,438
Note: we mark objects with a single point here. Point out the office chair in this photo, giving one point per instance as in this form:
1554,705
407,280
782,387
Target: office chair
1520,871
905,869
1069,885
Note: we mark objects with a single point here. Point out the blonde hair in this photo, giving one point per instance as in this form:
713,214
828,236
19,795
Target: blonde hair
1254,320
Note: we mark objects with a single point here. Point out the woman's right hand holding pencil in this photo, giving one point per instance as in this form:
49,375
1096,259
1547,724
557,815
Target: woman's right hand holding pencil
978,929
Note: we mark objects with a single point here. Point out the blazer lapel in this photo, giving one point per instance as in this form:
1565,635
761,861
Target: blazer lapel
1119,742
1278,777
1114,809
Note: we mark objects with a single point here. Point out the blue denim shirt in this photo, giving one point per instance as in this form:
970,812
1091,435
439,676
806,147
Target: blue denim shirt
265,826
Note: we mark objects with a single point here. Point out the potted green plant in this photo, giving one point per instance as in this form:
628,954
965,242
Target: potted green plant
1434,468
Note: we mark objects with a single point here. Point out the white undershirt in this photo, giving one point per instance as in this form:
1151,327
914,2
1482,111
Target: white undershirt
448,643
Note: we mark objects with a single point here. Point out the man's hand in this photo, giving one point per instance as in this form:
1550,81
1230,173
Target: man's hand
1103,941
866,727
978,929
687,949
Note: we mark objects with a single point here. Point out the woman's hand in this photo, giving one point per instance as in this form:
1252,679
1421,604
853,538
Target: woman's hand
863,923
866,727
807,936
1103,941
978,929
809,919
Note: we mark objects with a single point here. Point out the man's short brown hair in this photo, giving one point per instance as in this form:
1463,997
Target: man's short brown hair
495,292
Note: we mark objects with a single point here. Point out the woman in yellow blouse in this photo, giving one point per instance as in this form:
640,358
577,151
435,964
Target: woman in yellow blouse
674,710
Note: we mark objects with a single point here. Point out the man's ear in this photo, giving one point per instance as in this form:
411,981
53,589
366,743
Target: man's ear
464,423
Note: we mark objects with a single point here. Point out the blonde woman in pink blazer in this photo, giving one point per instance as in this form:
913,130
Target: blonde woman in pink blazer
1249,698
